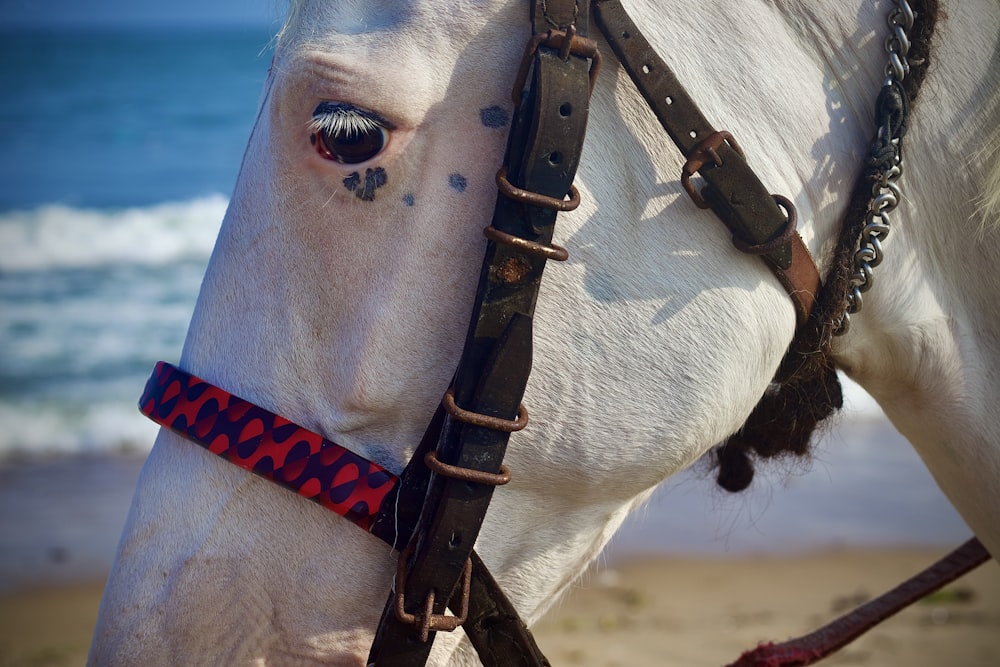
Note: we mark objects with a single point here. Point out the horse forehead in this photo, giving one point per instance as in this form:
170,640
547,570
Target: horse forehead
405,54
352,17
336,19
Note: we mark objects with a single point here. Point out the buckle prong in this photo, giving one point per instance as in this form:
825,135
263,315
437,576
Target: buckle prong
427,621
707,151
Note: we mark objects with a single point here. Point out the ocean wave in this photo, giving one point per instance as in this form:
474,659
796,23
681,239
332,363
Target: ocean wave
102,427
55,236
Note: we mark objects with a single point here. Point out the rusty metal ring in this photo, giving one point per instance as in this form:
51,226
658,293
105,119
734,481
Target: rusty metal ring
782,239
466,474
486,421
534,198
428,620
553,252
566,44
696,197
706,150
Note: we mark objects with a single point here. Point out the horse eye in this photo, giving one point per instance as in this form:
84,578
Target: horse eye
347,134
351,148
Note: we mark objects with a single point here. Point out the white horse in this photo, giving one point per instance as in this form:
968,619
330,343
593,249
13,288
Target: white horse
339,295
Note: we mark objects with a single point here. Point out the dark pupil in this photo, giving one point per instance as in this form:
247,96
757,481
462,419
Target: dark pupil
352,147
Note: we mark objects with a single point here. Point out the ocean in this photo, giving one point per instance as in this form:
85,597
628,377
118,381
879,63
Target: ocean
118,150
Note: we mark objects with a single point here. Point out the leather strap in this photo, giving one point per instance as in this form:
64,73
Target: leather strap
268,445
493,625
542,156
326,473
732,189
838,633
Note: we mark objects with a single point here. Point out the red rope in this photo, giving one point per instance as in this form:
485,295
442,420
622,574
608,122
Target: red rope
840,632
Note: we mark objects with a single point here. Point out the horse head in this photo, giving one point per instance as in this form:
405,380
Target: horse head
341,286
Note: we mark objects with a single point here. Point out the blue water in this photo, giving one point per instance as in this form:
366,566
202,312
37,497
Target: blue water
108,119
118,151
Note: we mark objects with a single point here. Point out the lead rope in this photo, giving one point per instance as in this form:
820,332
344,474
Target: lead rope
837,634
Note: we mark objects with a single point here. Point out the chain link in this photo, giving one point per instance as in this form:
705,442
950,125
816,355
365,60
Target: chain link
886,194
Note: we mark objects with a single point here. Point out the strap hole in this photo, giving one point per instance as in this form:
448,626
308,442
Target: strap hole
669,100
693,134
625,34
555,157
565,109
646,69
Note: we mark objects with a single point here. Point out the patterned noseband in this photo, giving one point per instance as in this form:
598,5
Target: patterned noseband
268,445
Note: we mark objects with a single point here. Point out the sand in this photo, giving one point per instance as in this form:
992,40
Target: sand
704,611
688,612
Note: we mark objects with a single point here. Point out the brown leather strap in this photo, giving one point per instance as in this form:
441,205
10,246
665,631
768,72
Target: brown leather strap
543,153
542,156
496,631
493,626
732,189
840,632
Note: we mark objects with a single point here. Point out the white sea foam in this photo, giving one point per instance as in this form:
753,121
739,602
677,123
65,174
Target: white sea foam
88,300
55,236
40,430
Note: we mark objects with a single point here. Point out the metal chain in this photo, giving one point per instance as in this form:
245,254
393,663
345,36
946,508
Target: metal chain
885,191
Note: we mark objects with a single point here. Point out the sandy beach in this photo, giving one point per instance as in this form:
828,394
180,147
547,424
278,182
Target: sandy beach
689,611
695,580
695,612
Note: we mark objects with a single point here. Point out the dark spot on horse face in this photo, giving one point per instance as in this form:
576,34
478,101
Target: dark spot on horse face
374,179
409,199
457,182
494,116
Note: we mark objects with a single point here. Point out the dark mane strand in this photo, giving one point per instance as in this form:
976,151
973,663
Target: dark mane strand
805,390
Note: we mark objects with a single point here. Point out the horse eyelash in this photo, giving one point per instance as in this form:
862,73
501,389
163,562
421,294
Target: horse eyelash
339,118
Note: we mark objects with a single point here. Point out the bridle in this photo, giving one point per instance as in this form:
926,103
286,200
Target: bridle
432,512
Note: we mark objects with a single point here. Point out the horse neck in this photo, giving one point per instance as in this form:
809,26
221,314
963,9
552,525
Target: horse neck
927,343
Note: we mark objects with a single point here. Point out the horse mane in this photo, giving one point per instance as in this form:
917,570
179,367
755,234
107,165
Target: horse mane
988,209
806,389
987,158
293,17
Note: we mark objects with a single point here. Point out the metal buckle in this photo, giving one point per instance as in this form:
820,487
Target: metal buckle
427,620
707,150
783,238
568,43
